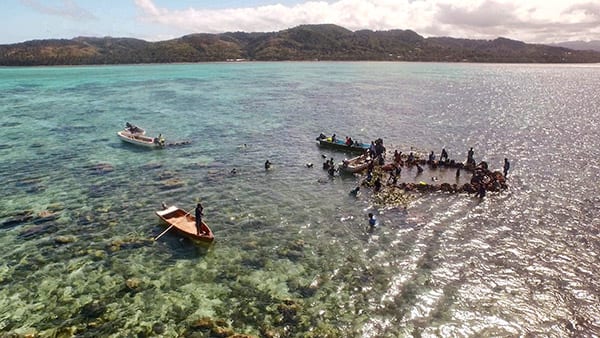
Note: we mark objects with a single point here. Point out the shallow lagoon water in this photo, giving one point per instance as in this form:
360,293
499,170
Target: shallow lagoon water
292,257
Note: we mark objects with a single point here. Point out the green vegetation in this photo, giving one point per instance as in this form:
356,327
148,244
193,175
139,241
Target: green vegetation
307,42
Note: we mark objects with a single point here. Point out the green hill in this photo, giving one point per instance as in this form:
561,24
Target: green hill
306,42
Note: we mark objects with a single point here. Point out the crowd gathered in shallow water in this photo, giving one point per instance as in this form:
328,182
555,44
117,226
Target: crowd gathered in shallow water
376,170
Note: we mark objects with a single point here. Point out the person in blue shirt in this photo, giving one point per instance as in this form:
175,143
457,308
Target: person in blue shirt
372,221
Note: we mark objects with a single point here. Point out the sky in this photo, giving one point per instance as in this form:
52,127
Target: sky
532,21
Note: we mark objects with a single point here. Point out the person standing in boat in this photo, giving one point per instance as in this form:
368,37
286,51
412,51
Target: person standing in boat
199,214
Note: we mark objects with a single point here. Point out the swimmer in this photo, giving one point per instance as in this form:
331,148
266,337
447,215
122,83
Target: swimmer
372,222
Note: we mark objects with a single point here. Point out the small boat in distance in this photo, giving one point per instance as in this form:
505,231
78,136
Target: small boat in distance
185,224
141,140
331,142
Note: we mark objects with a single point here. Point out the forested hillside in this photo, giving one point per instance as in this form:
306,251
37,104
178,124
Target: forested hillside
307,42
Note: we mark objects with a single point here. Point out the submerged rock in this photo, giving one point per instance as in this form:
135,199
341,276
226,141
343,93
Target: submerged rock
133,285
392,197
64,239
101,169
204,323
31,181
17,219
214,328
152,165
56,207
288,310
130,243
305,291
297,245
94,254
158,328
85,219
38,231
93,310
172,184
222,332
45,216
36,188
290,253
165,175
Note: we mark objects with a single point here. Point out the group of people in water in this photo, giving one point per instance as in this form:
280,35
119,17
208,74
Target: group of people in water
375,155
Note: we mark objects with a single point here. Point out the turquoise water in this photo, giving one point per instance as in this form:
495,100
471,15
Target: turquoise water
292,257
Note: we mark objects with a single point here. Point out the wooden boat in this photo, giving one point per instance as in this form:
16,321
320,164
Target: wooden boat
185,224
141,140
355,165
355,147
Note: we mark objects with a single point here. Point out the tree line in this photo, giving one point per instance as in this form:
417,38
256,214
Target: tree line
306,42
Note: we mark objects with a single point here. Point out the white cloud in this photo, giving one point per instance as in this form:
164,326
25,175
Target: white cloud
67,9
532,21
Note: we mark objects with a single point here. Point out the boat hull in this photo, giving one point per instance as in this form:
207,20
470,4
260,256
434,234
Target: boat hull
138,139
185,224
354,165
340,145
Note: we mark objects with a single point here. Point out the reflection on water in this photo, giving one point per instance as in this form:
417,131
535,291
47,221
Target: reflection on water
292,256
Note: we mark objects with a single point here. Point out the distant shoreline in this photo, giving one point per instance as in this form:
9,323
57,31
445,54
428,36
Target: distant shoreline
308,61
307,43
